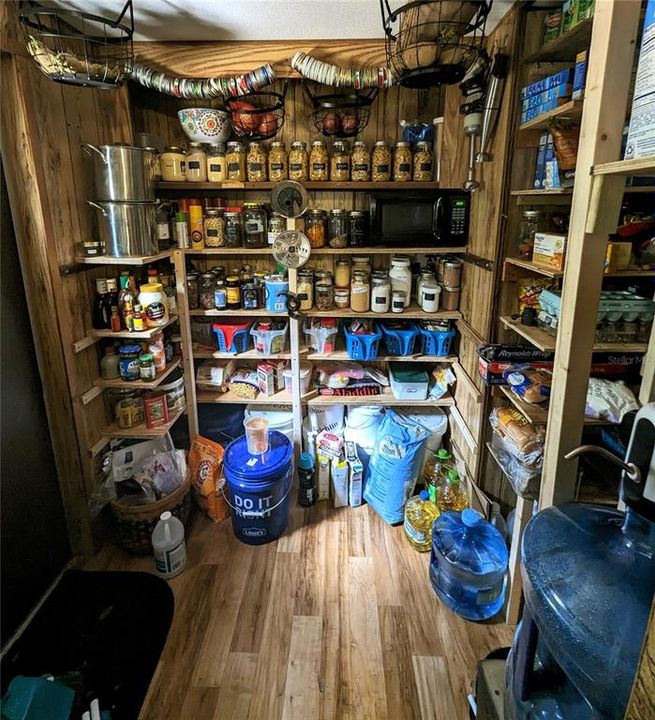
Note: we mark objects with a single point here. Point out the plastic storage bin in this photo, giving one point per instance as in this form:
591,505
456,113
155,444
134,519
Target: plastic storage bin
321,339
272,342
232,337
399,336
364,346
436,342
305,378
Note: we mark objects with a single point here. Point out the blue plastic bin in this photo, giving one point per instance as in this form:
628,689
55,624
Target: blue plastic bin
364,346
400,342
436,342
232,337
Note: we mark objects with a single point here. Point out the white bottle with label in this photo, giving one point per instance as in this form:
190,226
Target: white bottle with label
168,546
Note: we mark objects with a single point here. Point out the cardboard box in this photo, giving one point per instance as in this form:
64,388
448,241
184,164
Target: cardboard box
641,131
408,384
339,475
494,360
266,378
540,167
549,250
355,475
617,256
322,477
579,75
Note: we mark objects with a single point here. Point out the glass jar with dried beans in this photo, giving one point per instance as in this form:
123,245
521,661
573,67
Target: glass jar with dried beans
196,163
360,162
206,287
318,162
216,166
423,162
298,162
236,162
315,227
192,289
402,162
278,164
276,225
381,162
213,227
255,226
340,163
256,162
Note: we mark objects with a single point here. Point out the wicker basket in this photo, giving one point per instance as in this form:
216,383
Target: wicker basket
134,524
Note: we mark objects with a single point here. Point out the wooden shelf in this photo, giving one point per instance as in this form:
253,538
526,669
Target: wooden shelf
566,46
631,189
130,260
392,250
328,186
145,335
342,355
207,397
260,312
571,110
140,384
533,267
383,399
205,354
141,431
628,168
413,311
534,414
563,196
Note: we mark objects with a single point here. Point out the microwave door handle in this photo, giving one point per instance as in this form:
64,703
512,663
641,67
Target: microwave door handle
437,215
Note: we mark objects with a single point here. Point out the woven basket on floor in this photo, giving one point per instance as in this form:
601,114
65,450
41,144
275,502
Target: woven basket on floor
134,524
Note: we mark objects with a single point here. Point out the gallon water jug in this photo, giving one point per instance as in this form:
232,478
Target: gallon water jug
168,546
468,564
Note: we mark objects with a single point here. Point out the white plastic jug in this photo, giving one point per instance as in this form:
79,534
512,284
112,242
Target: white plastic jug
168,546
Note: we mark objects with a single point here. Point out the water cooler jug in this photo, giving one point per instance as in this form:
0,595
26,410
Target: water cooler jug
589,578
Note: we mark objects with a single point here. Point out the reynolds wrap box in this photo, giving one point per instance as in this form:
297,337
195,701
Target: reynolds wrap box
355,475
494,360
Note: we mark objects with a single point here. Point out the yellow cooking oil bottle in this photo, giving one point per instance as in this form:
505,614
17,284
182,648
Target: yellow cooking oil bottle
420,514
451,495
436,468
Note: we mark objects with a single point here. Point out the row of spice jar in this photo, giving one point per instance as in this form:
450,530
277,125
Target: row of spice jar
218,163
218,289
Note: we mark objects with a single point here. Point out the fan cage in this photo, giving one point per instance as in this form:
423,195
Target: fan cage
341,115
433,42
78,48
262,119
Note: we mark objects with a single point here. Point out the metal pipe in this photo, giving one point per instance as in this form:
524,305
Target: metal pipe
630,469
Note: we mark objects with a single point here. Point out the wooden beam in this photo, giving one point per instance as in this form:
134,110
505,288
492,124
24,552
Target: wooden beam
515,591
642,698
608,81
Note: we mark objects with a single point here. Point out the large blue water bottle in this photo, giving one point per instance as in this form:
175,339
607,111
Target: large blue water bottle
468,564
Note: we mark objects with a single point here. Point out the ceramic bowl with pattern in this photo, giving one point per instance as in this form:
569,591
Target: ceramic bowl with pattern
205,125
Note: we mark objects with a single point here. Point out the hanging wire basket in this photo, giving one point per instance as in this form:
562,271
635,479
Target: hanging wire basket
433,42
341,116
77,48
257,115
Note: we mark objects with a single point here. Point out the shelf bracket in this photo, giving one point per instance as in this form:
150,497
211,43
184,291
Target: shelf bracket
479,261
74,268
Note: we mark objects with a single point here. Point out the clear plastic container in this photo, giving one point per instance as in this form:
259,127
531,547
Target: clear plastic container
468,564
305,378
256,431
269,342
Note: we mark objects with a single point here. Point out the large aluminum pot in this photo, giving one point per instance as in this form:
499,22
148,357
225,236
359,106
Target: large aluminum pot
128,228
123,173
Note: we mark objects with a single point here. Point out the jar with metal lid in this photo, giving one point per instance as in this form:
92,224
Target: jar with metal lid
233,227
452,272
216,163
401,275
423,170
429,300
380,294
381,162
236,161
360,291
426,276
192,289
147,370
360,162
323,275
250,296
361,263
276,225
402,162
256,162
214,229
305,289
156,162
324,295
315,227
449,298
220,295
206,287
298,162
278,163
318,162
340,162
530,224
342,274
342,298
358,226
338,228
126,406
398,301
233,292
196,163
255,226
173,164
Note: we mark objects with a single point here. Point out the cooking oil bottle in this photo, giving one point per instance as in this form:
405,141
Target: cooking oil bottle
420,514
451,495
435,472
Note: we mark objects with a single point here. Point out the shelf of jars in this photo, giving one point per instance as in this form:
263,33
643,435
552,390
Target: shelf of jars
125,260
142,431
333,185
392,250
140,384
259,312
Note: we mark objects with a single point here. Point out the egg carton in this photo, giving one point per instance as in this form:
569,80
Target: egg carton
614,306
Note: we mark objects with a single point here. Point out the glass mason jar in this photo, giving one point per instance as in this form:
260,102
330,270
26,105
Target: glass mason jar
342,298
196,163
360,162
192,289
338,228
360,291
255,226
236,162
305,289
358,228
256,162
401,276
276,225
214,228
452,272
173,164
156,163
278,163
216,164
380,294
423,164
402,162
318,162
233,292
233,230
324,295
298,162
315,228
206,288
340,162
381,162
530,224
342,274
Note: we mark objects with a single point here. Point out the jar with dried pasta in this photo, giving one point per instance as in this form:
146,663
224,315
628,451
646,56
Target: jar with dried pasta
318,162
278,164
402,162
214,228
298,161
360,162
236,162
315,227
256,162
423,162
305,289
381,162
340,162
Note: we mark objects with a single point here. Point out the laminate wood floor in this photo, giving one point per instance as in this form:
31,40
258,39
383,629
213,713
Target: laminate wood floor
335,620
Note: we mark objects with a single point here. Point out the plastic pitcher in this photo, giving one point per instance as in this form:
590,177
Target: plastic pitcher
276,289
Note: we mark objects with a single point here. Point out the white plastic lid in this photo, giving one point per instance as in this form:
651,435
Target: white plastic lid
165,516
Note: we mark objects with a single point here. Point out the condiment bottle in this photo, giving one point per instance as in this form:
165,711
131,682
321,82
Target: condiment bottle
306,480
101,312
109,364
115,320
138,319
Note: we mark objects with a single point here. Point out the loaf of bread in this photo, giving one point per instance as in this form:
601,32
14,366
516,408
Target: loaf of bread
512,425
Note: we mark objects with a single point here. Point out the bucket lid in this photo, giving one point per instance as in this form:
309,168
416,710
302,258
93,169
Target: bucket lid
241,465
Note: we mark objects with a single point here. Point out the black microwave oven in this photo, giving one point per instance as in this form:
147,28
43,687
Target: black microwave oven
424,218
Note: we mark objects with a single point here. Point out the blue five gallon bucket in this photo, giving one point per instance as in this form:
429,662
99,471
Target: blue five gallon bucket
258,488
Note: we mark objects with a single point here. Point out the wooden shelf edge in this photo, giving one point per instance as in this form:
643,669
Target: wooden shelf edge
571,109
127,260
145,335
628,168
141,431
565,46
534,414
390,250
350,185
140,384
534,267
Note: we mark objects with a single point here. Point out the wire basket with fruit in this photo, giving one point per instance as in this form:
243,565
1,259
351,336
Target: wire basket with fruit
257,115
341,116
